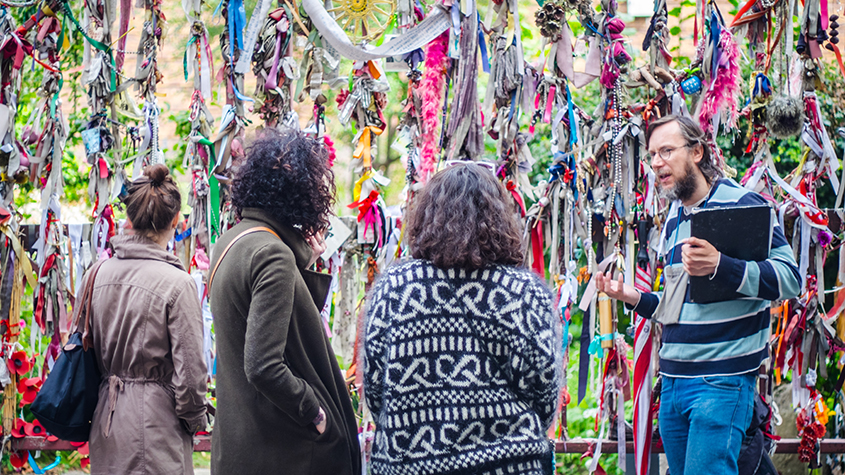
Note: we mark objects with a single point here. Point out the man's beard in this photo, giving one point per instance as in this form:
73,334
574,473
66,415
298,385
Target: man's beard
684,188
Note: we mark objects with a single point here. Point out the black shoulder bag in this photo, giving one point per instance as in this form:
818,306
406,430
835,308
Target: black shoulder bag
67,400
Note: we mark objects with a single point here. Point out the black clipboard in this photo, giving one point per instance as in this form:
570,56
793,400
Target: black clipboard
741,232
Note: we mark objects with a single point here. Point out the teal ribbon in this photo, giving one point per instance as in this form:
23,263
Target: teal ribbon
40,471
185,58
96,44
573,131
595,345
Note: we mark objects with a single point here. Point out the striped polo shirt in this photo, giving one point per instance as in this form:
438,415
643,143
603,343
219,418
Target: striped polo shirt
728,337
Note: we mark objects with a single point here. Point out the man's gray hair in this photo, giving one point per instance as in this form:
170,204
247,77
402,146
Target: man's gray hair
693,136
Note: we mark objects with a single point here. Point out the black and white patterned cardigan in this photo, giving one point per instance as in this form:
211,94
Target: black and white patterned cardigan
465,385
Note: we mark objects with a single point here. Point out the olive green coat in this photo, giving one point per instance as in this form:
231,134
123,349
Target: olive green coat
275,364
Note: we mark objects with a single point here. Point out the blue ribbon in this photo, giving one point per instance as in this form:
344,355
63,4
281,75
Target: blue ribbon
414,58
564,162
592,27
186,234
513,105
40,471
238,93
595,345
217,10
237,20
485,61
556,171
573,132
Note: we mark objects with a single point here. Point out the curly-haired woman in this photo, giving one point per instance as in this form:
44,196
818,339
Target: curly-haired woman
282,403
462,347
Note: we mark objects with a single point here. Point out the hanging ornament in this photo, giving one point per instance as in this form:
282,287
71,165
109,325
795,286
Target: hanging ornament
363,20
785,117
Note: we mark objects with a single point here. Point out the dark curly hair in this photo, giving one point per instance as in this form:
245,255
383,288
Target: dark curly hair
464,218
287,174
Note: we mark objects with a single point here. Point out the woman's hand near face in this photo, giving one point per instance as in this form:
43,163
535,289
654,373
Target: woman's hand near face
318,247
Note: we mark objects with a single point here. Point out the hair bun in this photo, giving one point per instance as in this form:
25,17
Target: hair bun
157,173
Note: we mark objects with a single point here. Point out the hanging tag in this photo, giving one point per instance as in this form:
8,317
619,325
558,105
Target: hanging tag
91,140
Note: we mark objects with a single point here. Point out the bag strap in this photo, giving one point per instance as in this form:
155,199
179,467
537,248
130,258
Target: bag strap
232,242
87,297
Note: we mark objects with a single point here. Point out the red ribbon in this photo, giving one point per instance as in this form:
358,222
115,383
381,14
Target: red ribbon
364,205
838,54
511,186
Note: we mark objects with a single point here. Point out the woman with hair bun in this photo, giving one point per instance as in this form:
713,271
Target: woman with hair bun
146,323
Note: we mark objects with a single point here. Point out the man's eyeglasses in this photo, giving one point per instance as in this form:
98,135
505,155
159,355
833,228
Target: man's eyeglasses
665,153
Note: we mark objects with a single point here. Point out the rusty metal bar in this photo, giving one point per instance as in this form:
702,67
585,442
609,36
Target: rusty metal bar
202,443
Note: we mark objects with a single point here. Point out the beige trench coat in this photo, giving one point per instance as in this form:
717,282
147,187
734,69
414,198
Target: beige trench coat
147,328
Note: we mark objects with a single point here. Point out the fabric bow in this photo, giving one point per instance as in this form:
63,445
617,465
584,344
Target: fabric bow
363,150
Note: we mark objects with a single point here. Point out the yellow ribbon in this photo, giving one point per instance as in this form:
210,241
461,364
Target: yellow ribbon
364,145
800,167
356,191
22,257
511,31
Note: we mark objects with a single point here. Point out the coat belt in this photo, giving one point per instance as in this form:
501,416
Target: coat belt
116,384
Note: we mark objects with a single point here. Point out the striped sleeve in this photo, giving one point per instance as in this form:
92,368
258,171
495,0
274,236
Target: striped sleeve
776,278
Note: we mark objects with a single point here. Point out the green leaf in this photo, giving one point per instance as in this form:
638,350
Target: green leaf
675,12
526,32
675,31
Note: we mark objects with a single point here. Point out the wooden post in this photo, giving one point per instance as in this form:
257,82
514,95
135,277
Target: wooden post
605,319
10,391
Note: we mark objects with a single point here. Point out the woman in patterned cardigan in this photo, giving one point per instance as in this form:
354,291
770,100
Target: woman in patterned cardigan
462,345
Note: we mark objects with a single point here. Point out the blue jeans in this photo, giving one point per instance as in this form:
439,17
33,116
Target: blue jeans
703,421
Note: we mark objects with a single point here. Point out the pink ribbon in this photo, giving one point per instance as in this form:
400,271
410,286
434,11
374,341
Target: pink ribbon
824,15
550,100
104,168
272,81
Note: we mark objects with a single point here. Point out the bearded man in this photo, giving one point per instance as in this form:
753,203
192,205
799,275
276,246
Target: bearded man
711,352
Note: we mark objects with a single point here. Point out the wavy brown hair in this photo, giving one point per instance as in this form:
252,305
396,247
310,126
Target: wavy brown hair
463,218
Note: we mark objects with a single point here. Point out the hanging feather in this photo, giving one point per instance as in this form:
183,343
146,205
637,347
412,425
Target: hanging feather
432,88
721,85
